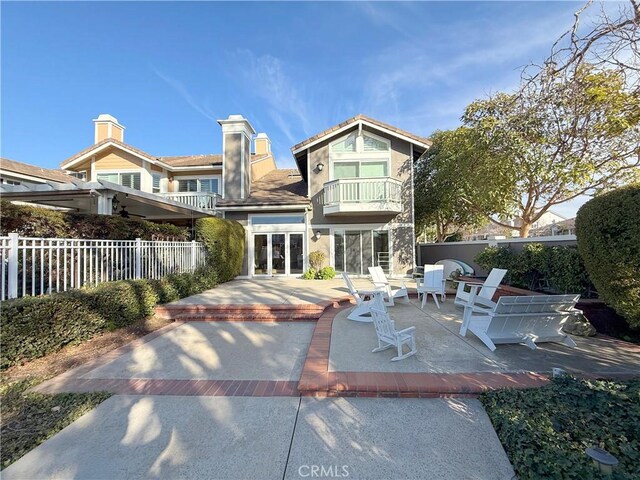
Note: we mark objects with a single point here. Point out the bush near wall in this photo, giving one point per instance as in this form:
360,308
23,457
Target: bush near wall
35,326
29,221
608,231
225,242
540,267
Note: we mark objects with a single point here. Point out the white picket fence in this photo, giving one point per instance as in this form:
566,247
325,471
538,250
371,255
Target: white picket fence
39,266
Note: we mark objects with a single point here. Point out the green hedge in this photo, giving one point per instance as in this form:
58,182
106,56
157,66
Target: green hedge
35,326
608,231
540,267
31,221
225,242
546,430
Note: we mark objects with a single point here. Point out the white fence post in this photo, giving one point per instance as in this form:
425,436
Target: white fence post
193,255
138,259
12,279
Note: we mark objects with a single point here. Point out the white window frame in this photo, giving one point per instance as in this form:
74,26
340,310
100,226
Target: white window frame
180,178
359,156
120,172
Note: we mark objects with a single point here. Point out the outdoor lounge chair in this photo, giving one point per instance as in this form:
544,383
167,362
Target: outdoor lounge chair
388,336
361,312
380,281
487,290
526,319
433,283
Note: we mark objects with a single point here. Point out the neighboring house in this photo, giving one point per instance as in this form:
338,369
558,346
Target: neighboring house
493,231
18,173
351,196
563,227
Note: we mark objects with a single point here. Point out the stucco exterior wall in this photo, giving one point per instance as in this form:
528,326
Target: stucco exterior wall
232,169
261,167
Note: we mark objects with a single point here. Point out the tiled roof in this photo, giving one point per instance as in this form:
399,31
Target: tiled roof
174,161
355,119
192,160
35,171
278,187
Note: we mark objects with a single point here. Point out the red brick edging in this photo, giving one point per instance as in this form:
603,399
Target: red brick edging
317,380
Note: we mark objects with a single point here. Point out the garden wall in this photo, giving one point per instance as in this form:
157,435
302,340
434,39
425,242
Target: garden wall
429,253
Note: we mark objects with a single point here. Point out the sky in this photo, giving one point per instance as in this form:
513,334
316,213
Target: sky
168,70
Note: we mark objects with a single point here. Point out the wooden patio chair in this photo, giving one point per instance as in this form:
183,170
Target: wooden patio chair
380,281
388,336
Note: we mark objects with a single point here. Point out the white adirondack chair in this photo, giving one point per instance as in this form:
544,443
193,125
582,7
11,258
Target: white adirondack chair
526,319
485,293
433,283
388,336
380,281
361,312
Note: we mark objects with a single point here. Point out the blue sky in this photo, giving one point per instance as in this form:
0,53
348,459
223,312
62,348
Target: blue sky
168,70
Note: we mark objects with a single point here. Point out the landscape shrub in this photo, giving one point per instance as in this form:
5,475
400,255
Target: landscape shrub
546,430
316,259
225,242
30,221
326,273
608,231
35,326
539,267
309,274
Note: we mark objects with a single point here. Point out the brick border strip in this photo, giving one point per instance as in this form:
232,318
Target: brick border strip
317,380
207,388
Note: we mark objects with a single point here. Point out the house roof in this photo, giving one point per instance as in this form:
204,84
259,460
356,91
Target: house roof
358,118
192,160
170,161
278,187
34,171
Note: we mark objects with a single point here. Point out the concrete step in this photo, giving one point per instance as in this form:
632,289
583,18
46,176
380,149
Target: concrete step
281,312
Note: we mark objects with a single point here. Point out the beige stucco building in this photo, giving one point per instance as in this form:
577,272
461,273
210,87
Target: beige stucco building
350,197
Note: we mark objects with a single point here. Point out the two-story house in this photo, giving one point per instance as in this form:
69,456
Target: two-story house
351,196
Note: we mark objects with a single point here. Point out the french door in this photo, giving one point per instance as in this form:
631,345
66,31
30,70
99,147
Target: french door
278,254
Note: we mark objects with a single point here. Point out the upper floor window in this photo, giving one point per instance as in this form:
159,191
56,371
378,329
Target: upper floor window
131,180
198,185
9,182
81,175
155,182
359,156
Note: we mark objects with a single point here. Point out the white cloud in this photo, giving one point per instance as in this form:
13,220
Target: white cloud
180,88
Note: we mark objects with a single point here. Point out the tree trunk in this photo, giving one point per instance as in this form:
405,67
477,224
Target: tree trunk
524,229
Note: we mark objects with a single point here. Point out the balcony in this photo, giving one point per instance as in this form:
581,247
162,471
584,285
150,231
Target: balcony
202,200
361,196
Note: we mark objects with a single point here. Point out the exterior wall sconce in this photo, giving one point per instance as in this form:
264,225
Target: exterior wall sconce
602,459
320,166
317,235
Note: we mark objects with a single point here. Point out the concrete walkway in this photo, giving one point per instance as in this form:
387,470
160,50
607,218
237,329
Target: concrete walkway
161,437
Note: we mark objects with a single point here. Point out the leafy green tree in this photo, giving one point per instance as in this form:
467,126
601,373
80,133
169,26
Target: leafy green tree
438,186
552,141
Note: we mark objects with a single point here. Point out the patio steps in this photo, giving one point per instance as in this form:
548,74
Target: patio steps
243,313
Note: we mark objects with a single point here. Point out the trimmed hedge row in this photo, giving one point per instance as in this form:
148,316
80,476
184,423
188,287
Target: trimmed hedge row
608,231
31,221
537,266
225,242
35,326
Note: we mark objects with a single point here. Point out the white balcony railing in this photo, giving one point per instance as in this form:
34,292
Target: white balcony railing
370,194
202,200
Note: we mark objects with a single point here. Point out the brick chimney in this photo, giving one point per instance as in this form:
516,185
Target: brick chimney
107,126
236,157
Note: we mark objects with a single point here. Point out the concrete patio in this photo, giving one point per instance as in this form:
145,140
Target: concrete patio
155,437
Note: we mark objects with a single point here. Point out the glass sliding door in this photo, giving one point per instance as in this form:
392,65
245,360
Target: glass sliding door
277,254
296,254
261,254
355,251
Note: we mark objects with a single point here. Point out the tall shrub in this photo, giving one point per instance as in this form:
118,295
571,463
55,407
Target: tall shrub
608,231
225,242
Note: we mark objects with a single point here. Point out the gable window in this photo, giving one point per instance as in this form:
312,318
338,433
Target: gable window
198,185
81,175
131,180
360,155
